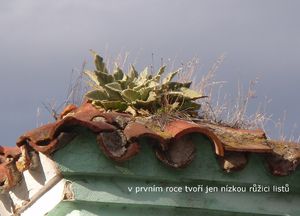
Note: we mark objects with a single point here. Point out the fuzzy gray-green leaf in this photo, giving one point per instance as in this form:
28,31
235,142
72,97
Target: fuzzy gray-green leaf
191,94
161,70
132,74
114,90
189,106
130,95
142,78
92,76
118,74
144,92
185,93
114,86
170,77
175,86
99,63
114,105
104,78
151,97
151,100
98,94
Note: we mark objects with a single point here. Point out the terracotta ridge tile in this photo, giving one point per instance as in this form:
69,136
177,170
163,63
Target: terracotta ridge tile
118,136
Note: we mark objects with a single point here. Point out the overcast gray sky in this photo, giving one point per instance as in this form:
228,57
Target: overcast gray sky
42,41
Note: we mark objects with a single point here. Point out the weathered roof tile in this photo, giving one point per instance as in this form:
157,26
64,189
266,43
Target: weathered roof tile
119,134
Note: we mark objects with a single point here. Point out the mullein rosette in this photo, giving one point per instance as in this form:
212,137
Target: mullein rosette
138,93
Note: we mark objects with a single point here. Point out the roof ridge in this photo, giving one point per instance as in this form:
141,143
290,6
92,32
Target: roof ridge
118,137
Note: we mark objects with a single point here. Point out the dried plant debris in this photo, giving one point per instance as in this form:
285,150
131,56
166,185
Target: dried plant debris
285,158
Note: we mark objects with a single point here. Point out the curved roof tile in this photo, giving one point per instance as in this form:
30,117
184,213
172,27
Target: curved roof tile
118,136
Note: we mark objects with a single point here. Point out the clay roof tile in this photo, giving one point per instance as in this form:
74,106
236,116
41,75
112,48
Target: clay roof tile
119,134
